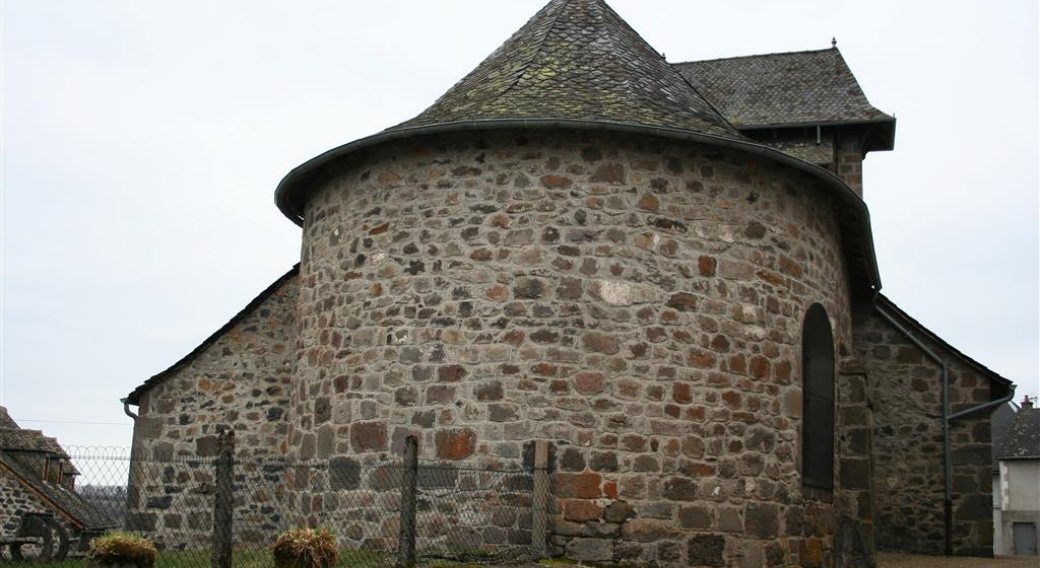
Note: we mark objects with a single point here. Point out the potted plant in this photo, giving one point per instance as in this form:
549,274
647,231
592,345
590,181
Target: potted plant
121,550
305,548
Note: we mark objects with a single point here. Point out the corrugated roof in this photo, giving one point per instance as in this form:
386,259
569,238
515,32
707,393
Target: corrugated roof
1022,440
783,89
577,60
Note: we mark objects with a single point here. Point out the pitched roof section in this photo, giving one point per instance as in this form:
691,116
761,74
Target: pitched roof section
999,423
1022,440
577,60
135,396
1000,385
783,89
19,440
71,504
5,419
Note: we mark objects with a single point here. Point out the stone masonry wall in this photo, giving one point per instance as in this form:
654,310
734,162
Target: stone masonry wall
16,500
906,393
241,381
637,302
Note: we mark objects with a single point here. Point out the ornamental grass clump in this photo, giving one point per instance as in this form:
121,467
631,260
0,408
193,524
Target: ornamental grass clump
121,549
305,548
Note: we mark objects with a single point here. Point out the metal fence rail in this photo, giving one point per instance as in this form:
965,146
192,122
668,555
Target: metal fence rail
223,510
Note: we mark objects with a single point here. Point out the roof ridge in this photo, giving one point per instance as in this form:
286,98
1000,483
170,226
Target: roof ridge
559,7
671,68
771,54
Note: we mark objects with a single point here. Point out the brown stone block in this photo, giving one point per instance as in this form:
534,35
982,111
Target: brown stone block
578,485
451,373
760,367
581,510
696,517
589,382
456,444
762,520
368,437
706,550
648,530
701,359
680,489
601,343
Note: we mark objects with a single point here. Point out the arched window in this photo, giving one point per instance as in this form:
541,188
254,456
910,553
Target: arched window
817,399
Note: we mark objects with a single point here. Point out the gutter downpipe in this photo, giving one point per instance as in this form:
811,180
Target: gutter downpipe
126,408
131,490
947,418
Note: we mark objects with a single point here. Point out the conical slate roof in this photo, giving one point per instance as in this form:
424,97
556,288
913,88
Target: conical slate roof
576,64
577,60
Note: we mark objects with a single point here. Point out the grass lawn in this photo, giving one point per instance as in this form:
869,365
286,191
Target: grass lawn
263,559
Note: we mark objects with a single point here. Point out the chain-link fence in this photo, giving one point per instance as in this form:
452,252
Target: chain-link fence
219,511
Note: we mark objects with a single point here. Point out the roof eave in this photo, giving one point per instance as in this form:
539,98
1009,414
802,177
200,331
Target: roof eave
287,194
884,141
896,311
134,397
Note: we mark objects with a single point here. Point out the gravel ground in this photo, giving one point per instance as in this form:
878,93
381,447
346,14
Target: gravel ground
886,560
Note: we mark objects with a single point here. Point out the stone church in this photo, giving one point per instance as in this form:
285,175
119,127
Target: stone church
666,270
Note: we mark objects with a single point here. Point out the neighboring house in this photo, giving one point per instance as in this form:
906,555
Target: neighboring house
664,270
37,476
1016,485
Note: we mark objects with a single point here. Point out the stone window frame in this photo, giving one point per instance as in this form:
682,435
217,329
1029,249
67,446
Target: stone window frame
818,399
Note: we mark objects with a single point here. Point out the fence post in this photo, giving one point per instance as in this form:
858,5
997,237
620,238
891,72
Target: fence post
540,507
223,500
409,489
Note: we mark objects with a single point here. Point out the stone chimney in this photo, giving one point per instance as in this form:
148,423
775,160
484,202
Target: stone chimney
1027,404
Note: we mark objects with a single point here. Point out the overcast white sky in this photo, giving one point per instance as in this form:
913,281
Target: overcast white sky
142,142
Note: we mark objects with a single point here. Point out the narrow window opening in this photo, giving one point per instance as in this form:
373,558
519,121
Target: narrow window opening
817,400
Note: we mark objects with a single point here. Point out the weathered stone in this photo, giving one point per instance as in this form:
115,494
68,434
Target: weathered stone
682,302
648,530
451,373
581,510
589,382
368,437
455,444
706,550
618,512
762,520
608,173
578,485
680,489
601,343
590,550
344,473
207,446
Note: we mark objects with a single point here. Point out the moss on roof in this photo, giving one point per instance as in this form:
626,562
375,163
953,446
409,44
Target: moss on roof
577,60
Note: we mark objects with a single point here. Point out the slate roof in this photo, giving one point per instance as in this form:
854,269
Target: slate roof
1022,440
1000,385
5,419
17,439
577,65
783,89
577,60
20,449
73,505
135,396
999,424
